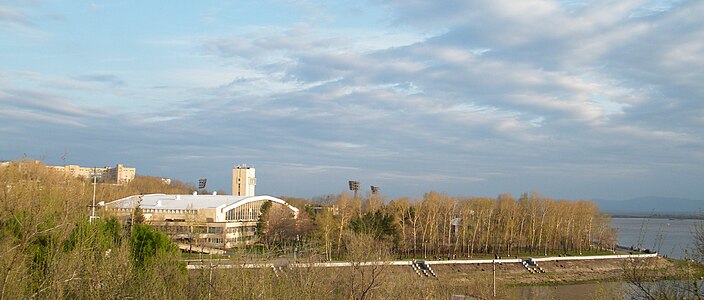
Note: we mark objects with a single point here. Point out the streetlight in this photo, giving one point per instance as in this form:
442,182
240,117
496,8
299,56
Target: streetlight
93,206
493,293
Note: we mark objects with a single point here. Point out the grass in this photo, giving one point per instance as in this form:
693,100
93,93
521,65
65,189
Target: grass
566,282
697,267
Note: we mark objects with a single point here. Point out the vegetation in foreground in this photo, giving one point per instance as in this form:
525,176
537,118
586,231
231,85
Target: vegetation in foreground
50,250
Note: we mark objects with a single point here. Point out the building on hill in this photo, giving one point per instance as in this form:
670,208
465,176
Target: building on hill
317,209
119,174
243,181
217,221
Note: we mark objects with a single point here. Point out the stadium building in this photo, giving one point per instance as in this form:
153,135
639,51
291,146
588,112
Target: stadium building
218,221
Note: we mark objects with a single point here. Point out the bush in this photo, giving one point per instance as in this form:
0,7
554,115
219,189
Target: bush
146,244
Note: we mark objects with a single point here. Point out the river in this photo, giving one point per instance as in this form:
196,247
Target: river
672,238
669,237
586,291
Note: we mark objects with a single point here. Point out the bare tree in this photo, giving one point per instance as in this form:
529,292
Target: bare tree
369,258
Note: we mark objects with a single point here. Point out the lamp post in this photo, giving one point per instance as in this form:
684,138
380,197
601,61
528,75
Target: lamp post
493,293
92,206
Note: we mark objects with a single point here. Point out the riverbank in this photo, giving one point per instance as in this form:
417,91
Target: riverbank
557,270
566,279
553,270
454,277
604,279
572,271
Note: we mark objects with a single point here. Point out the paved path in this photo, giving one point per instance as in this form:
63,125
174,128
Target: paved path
226,264
200,249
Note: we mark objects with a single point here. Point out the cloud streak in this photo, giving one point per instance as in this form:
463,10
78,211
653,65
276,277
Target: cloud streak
13,18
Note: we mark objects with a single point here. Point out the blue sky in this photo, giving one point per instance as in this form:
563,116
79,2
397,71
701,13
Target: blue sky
572,99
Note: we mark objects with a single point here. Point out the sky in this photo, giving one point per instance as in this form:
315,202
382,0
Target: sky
571,99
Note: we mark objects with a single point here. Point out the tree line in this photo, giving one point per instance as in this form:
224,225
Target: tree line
50,250
441,226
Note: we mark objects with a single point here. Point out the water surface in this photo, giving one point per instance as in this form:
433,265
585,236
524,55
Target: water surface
591,290
672,238
669,237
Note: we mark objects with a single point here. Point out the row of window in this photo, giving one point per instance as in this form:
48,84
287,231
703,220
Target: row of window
241,229
215,229
248,211
248,230
230,240
170,211
214,240
240,239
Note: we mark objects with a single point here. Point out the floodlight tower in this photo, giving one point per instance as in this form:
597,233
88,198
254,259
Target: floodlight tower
354,186
374,199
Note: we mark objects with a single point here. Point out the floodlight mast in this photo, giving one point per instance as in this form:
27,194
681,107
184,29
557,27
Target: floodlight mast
201,184
354,186
375,190
373,198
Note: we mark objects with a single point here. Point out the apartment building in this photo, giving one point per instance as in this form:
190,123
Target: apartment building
119,174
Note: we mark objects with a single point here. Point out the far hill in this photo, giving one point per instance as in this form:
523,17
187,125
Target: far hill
645,206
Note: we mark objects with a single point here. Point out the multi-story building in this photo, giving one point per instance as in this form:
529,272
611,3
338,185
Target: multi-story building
243,181
118,174
78,171
217,221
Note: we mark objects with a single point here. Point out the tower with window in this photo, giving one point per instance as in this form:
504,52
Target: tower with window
243,181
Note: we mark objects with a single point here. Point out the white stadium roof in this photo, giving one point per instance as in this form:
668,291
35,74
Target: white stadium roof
163,201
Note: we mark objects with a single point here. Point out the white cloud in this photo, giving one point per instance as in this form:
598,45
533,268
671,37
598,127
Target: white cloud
13,18
420,178
27,117
313,169
507,89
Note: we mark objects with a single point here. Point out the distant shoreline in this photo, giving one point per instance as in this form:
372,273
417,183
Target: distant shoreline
658,216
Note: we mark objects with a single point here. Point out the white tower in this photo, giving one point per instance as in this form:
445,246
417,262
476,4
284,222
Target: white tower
243,181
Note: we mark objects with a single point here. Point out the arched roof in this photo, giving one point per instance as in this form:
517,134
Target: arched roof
258,198
221,203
